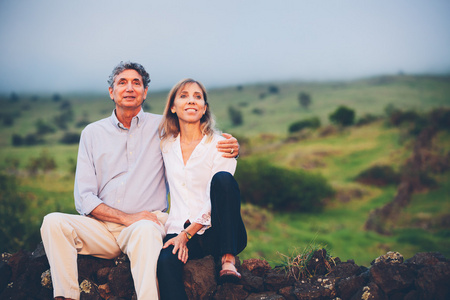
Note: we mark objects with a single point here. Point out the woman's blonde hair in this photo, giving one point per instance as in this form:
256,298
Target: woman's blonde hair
170,126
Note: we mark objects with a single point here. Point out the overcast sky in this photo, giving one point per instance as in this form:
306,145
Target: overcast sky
72,45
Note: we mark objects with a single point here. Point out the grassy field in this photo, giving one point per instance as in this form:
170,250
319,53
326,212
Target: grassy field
339,157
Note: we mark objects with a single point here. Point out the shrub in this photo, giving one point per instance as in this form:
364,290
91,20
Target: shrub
379,176
306,123
8,120
343,116
43,128
397,117
367,119
16,231
235,116
41,163
32,139
70,138
281,189
440,117
17,140
258,111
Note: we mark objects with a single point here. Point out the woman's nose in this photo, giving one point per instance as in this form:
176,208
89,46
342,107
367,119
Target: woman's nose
191,100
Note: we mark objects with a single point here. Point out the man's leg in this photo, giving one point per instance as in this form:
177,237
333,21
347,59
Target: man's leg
142,242
64,236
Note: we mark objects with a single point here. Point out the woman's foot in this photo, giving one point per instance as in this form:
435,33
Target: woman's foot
229,272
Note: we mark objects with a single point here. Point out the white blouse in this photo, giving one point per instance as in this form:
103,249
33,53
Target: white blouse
190,184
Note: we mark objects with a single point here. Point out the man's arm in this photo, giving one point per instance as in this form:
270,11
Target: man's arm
229,146
104,212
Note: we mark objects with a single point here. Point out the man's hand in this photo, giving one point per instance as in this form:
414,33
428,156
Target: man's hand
230,146
143,215
104,212
179,244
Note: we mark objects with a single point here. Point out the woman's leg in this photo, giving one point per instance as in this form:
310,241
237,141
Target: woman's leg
226,220
170,274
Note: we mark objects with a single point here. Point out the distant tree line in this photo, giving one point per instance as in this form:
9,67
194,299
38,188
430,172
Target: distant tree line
58,122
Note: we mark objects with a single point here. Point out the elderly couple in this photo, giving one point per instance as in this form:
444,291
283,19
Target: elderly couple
124,165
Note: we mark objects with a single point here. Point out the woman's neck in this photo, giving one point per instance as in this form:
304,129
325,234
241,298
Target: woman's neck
190,133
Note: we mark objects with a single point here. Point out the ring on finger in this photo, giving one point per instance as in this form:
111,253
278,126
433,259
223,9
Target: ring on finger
232,150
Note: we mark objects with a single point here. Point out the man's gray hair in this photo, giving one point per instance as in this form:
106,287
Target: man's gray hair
122,66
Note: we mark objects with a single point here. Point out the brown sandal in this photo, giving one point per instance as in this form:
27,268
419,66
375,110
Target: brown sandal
229,275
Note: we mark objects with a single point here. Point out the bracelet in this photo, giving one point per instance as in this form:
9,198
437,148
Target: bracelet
188,235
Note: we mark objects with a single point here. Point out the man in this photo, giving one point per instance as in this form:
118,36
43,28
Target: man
120,192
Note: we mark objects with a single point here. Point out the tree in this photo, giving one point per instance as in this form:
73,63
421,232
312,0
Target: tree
304,99
343,116
273,89
14,97
56,97
235,116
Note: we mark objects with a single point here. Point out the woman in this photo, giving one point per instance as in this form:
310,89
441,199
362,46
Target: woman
204,215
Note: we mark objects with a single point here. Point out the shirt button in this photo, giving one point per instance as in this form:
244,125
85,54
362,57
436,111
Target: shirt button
131,152
183,184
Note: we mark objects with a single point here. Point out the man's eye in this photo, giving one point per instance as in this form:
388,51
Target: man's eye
137,83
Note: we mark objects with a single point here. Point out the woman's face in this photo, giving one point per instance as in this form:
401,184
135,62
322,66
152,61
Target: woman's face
189,104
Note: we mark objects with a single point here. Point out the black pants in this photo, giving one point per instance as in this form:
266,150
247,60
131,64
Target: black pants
226,235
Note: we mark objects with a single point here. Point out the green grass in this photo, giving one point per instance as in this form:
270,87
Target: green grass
339,157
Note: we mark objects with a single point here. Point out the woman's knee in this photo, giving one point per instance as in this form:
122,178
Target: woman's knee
223,181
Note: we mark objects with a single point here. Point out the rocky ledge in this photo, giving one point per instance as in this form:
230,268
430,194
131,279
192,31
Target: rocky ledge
424,276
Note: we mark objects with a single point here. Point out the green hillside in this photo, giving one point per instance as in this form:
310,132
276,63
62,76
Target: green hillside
339,155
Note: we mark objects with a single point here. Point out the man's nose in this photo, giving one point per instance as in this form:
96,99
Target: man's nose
130,86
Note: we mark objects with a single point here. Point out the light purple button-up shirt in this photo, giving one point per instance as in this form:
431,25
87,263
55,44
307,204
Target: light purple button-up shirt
122,168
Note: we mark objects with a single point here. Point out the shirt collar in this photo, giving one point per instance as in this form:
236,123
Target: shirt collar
140,119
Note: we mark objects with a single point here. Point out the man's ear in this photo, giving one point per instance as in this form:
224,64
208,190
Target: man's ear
111,93
145,92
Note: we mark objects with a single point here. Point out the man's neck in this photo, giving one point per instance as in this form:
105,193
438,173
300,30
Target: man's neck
125,116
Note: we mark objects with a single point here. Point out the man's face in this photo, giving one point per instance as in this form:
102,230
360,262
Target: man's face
128,90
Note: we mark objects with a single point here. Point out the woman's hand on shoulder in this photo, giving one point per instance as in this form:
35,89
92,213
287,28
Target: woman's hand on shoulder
179,245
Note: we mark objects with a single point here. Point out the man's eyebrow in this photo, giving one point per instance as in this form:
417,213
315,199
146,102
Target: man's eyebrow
124,78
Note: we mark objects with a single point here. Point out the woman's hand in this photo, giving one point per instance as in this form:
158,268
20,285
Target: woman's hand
179,244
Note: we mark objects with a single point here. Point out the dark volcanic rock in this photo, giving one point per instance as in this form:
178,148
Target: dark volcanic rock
199,278
392,277
425,276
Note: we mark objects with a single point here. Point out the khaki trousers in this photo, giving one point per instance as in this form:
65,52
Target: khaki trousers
64,236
